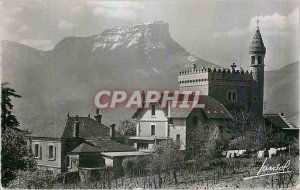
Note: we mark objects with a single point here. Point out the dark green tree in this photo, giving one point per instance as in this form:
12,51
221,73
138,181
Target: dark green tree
7,119
14,152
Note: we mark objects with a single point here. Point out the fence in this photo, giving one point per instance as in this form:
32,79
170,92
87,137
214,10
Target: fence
186,174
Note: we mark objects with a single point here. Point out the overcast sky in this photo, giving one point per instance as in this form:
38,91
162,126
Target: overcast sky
216,31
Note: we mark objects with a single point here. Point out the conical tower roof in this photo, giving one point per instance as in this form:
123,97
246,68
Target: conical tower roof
257,45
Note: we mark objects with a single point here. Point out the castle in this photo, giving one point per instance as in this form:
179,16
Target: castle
232,87
223,93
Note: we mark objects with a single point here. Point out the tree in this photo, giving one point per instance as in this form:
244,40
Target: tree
7,119
247,132
128,127
36,179
14,154
216,144
167,157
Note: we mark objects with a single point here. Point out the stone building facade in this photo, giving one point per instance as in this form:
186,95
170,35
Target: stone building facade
232,87
156,124
76,144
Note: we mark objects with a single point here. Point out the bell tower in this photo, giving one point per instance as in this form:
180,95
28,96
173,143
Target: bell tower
257,53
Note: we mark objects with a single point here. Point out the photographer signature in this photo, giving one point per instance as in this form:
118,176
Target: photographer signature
279,169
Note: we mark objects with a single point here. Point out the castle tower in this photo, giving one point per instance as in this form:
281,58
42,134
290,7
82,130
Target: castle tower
257,53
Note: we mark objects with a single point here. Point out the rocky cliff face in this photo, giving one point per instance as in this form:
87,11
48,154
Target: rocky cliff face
67,78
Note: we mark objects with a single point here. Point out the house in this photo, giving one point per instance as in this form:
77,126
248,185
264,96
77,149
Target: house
277,122
78,143
156,124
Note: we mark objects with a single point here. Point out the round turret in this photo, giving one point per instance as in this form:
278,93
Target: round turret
257,52
257,45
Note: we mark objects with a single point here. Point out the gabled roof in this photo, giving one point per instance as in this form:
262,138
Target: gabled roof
106,145
212,109
85,148
101,145
88,128
52,131
178,112
280,121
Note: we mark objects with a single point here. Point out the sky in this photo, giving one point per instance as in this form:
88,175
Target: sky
216,31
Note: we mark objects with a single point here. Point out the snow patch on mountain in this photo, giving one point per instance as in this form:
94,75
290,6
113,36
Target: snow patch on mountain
152,35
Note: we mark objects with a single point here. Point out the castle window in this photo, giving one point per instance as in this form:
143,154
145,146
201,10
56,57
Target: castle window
254,98
252,60
232,96
152,129
259,59
170,120
229,96
153,110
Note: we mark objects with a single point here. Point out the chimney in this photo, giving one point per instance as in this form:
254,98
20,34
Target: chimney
169,109
98,116
112,131
76,128
143,98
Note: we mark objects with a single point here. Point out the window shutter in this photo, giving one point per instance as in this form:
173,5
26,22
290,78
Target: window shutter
54,152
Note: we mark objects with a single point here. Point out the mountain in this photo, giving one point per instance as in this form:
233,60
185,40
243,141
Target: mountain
67,78
138,57
282,91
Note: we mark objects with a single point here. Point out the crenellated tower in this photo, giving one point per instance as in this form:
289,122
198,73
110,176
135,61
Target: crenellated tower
257,53
235,88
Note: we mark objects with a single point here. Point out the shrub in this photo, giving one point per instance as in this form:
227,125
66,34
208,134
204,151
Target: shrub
32,179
